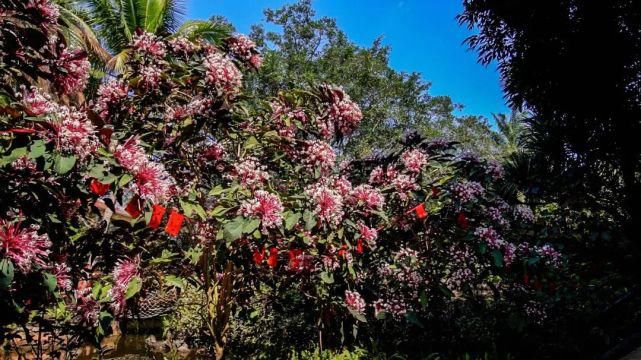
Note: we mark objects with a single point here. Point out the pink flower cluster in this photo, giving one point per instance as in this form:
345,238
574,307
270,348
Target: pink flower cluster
368,234
23,245
467,191
489,236
74,132
37,103
250,173
182,46
414,160
523,212
47,9
284,119
195,107
150,76
318,154
342,115
394,305
244,49
109,94
23,163
403,184
265,206
494,169
355,302
152,181
367,196
549,254
86,308
125,270
75,68
378,176
328,203
63,279
222,73
214,152
149,44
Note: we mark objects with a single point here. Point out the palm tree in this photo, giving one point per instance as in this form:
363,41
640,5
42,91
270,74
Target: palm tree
512,130
77,31
116,22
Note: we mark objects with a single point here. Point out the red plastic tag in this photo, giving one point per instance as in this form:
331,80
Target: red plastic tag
156,216
175,223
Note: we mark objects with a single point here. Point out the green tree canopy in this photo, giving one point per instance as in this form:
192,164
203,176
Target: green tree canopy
307,49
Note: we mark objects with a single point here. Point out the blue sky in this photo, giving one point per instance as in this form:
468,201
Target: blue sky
423,34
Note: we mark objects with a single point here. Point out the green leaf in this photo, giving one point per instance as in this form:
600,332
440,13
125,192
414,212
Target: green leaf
6,273
124,180
251,225
50,281
175,281
37,149
498,258
63,164
133,288
13,156
291,220
233,230
251,142
308,218
327,277
358,316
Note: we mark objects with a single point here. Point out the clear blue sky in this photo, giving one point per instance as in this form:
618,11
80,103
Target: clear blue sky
423,34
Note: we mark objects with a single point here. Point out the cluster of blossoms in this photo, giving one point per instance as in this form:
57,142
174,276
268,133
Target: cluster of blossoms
380,176
86,308
194,107
549,254
463,264
23,163
355,302
74,132
23,245
47,9
414,160
467,191
403,184
284,119
150,76
63,278
489,236
124,271
328,203
369,235
393,304
496,215
318,154
110,94
152,181
36,102
265,206
221,72
524,213
245,49
342,115
75,68
149,44
250,173
494,169
214,151
182,46
367,196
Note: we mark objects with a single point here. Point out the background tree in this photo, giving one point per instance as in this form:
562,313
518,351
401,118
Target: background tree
576,64
307,49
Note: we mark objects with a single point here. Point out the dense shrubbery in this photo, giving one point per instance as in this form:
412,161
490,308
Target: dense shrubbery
172,179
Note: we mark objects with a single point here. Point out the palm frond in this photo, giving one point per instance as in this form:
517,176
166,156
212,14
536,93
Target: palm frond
214,32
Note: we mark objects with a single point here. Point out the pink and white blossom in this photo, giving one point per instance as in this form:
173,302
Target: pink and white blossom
265,206
24,246
414,160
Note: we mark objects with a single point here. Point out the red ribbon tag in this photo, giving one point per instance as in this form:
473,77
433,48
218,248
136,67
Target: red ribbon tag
156,216
272,261
98,188
359,246
294,258
133,208
175,223
420,211
461,220
258,256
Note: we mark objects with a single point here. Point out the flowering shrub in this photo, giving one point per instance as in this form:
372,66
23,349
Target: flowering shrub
171,170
